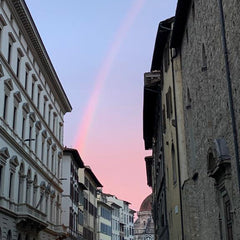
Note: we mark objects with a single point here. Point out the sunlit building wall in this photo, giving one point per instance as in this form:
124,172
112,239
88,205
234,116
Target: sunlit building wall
32,109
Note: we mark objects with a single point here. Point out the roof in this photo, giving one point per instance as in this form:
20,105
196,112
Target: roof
146,204
153,81
31,34
94,178
181,16
75,155
160,42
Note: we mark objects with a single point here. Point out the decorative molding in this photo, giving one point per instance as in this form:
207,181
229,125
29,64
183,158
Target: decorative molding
26,108
20,52
44,133
1,71
14,161
10,34
4,155
2,21
17,96
38,125
32,117
8,84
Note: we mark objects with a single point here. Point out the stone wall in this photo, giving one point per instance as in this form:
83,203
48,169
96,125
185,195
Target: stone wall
207,114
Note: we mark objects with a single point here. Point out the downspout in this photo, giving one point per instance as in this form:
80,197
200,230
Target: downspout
176,125
228,78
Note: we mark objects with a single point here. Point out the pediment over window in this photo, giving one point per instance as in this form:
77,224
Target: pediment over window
32,116
26,107
8,84
38,125
17,96
2,21
60,154
49,140
219,160
1,71
44,133
14,161
4,154
54,147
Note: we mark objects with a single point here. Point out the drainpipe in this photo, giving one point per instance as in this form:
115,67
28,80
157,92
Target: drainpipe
176,125
228,78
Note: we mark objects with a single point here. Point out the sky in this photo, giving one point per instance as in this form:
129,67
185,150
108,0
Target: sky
100,51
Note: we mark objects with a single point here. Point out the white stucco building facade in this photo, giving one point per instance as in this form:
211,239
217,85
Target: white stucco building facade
72,194
126,216
32,109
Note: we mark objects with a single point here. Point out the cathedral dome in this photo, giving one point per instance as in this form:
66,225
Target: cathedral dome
146,204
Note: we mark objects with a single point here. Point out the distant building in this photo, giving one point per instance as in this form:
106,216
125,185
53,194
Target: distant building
72,195
126,216
32,109
91,182
104,218
144,226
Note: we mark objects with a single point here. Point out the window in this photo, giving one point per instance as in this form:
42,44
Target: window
169,103
35,187
174,165
20,183
42,151
52,165
23,128
33,85
18,65
9,50
9,235
14,117
10,185
28,186
5,107
49,114
48,156
26,79
228,217
166,57
36,143
163,119
44,108
30,136
204,59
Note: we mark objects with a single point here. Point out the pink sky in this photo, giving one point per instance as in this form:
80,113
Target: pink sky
100,52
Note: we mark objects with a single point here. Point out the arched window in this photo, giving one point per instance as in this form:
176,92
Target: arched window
20,183
19,236
174,173
35,188
28,186
57,210
9,235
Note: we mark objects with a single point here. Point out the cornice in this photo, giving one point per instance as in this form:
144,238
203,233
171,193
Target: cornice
20,9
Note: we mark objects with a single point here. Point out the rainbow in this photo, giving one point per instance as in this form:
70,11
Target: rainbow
103,73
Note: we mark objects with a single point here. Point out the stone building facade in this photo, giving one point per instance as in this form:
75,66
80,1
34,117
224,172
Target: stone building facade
32,109
209,48
203,43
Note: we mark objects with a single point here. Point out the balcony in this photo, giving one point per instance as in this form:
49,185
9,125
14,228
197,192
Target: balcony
30,219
